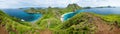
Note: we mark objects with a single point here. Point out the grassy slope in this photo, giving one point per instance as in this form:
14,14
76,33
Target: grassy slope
53,15
90,24
112,19
80,23
15,27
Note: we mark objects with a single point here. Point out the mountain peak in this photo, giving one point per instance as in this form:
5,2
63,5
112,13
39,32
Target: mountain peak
74,6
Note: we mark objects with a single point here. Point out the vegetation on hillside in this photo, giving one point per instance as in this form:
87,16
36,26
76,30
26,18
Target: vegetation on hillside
16,27
81,23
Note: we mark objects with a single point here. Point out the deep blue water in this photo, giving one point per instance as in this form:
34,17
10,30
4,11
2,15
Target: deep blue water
19,13
103,11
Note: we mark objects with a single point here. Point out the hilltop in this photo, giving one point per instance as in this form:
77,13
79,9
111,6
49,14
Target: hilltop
12,25
90,24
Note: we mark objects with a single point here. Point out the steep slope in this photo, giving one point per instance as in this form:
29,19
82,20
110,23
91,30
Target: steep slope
73,6
8,25
3,30
103,27
90,24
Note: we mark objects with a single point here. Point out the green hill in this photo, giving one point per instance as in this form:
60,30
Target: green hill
15,27
50,23
82,23
90,23
73,6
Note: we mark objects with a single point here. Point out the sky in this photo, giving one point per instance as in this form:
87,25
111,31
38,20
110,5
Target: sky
56,3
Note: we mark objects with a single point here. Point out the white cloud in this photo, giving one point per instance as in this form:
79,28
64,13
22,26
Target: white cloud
95,3
55,3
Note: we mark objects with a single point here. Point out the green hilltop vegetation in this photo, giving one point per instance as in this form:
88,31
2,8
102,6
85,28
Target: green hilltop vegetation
13,26
50,23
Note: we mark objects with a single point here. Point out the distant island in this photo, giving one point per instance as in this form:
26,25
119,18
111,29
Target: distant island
99,7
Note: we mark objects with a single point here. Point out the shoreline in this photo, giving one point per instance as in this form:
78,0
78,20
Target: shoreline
62,17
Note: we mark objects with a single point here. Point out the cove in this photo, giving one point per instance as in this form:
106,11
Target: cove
103,11
67,15
19,13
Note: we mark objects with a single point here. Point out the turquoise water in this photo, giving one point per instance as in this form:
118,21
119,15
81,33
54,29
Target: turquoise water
19,13
104,11
68,15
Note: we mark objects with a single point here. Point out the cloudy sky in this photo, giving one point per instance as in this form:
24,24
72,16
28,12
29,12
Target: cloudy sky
56,3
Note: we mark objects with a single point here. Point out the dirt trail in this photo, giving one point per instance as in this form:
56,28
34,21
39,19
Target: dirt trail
102,27
46,31
3,30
